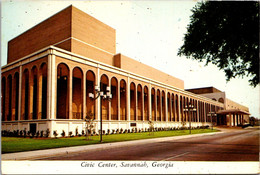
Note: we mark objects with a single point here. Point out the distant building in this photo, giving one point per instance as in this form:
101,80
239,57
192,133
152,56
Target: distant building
233,114
54,66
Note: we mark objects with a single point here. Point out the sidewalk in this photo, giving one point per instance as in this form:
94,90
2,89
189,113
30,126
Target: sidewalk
32,155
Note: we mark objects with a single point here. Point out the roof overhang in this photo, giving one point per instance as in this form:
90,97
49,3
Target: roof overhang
233,111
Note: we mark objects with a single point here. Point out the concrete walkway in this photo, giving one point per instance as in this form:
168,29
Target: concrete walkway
33,155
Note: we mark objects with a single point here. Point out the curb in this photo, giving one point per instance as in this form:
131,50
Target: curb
39,154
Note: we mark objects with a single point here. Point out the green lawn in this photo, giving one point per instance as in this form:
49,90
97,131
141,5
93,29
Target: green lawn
17,144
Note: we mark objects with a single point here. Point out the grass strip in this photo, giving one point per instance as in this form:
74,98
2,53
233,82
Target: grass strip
18,144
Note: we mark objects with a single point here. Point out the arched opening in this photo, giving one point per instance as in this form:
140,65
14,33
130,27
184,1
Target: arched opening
163,107
132,101
90,83
16,94
214,99
77,93
173,107
176,108
158,106
43,91
122,100
187,113
3,98
146,104
181,108
114,100
192,112
9,94
184,112
139,102
34,88
169,107
200,111
103,87
153,100
195,113
25,95
203,112
63,75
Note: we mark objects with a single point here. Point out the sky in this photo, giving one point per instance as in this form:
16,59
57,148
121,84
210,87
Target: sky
148,31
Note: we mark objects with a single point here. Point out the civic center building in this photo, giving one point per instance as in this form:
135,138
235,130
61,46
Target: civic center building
54,66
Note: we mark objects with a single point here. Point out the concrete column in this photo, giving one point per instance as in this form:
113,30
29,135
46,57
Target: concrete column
235,121
109,101
150,102
142,95
155,102
171,101
70,93
97,102
128,98
20,92
118,100
197,110
166,105
179,108
161,113
205,113
51,87
136,103
230,119
84,94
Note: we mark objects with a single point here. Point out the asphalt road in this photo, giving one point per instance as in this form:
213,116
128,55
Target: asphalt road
238,145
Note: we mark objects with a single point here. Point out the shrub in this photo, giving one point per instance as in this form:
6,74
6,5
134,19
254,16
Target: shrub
70,133
24,132
63,133
47,132
32,134
113,131
55,134
21,133
41,134
37,134
83,132
76,131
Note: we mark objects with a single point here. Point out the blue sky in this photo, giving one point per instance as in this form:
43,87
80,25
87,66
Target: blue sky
148,31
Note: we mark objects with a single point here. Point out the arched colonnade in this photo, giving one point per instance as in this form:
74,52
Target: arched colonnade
146,102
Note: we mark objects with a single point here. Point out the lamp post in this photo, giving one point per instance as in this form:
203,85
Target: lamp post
212,114
103,95
189,108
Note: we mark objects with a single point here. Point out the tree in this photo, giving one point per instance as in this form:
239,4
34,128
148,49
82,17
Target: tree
89,119
225,34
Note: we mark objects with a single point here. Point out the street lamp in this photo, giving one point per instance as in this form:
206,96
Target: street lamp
103,95
189,108
212,114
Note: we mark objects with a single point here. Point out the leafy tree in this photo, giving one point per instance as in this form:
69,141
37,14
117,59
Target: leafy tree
227,35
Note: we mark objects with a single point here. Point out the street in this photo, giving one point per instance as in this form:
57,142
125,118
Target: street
237,145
